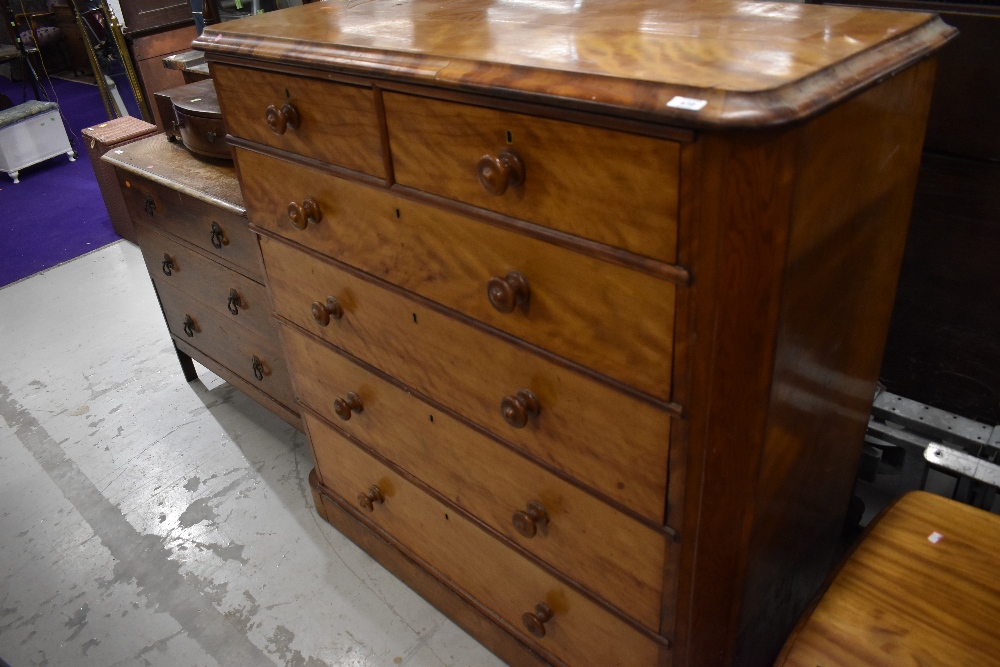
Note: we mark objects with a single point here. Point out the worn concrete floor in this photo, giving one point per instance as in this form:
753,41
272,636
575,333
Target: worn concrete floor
148,521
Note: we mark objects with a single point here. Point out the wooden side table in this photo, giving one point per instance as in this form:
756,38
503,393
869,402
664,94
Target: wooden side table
921,588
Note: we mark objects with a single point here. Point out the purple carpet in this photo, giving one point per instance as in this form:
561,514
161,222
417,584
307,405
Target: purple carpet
56,212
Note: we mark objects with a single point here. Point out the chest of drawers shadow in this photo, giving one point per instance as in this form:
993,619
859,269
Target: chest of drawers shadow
206,268
584,308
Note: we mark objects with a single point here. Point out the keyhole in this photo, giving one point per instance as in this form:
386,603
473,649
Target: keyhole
397,212
414,318
510,137
432,418
287,94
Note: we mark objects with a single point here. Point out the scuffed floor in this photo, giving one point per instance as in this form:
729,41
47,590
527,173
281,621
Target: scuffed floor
148,521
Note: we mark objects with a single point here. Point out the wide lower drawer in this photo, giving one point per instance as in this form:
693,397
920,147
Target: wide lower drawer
616,188
606,438
226,291
577,630
209,228
604,316
329,121
598,546
237,348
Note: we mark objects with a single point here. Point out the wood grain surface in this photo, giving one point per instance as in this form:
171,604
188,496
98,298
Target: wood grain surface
156,159
230,344
610,553
615,188
752,63
605,438
901,598
181,215
209,282
337,122
580,632
606,317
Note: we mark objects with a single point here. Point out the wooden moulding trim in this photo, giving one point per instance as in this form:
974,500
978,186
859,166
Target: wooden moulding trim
174,185
489,530
669,272
442,580
660,528
266,400
485,100
642,100
187,245
671,408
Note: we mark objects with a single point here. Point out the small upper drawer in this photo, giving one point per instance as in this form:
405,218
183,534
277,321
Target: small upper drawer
608,552
606,438
237,348
543,609
216,231
615,188
228,292
332,122
604,316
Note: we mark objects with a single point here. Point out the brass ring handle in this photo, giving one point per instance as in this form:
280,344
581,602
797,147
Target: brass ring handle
258,368
508,292
499,172
168,265
218,236
189,326
322,312
517,408
527,522
345,407
234,302
371,498
281,119
303,214
535,622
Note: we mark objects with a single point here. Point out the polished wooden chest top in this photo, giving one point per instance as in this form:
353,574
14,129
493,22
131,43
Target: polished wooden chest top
584,303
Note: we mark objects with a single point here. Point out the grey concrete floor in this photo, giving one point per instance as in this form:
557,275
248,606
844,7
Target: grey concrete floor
148,521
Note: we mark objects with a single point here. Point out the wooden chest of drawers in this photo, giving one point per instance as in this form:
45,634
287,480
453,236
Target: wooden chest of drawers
584,304
206,268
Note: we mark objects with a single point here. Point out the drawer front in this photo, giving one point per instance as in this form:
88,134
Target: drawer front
579,632
603,437
229,293
218,232
336,123
610,553
228,343
615,188
606,317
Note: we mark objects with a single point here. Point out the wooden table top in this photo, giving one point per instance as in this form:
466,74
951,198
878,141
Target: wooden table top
172,165
752,63
921,588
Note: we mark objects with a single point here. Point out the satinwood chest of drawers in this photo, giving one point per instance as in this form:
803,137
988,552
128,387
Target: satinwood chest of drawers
206,268
584,302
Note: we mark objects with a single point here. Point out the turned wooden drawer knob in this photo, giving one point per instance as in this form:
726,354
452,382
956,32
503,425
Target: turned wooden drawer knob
322,312
302,214
507,292
517,408
344,407
371,498
499,172
535,623
281,119
527,522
